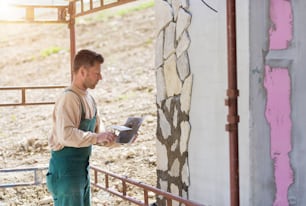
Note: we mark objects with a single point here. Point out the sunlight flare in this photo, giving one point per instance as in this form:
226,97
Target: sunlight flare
7,11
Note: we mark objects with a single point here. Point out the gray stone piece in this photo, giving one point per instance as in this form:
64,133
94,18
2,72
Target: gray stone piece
186,95
175,116
280,58
174,146
159,49
184,194
169,46
168,104
183,66
185,174
162,158
160,86
163,185
164,125
183,44
172,80
175,168
185,135
175,190
183,22
165,14
176,6
185,4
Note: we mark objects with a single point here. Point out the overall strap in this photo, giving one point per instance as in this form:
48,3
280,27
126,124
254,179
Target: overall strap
94,104
82,105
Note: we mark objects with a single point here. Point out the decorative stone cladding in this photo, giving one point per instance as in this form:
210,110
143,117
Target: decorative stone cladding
174,87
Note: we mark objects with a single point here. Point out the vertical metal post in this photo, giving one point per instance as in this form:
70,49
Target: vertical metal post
96,176
106,181
23,96
72,33
146,197
232,103
123,188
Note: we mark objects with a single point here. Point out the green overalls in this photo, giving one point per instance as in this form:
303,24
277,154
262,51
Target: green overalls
68,175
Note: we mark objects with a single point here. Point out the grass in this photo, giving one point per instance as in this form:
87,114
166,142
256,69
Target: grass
51,50
149,41
126,96
13,118
107,14
140,7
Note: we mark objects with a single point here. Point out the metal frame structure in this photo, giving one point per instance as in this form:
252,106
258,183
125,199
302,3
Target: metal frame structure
24,91
67,12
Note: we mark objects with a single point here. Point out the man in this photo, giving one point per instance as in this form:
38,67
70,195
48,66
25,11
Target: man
75,129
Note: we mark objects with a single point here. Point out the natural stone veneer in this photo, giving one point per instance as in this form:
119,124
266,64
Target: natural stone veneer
174,88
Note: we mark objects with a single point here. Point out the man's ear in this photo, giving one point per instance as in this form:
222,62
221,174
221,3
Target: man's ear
83,71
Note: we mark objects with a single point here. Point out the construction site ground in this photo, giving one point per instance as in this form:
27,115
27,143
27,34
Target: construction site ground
38,54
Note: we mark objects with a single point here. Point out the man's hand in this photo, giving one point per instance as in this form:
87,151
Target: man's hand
106,138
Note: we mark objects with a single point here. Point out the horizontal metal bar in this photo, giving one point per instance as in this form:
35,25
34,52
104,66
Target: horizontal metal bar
167,195
20,185
39,6
32,87
114,192
27,169
23,184
26,104
31,9
83,12
33,22
23,95
102,7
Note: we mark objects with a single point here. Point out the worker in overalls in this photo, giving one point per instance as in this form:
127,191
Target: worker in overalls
75,129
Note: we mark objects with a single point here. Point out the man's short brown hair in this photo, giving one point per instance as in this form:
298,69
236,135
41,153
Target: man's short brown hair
86,58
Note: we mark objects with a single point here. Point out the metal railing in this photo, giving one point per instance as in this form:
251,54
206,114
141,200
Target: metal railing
84,7
23,92
146,189
37,176
38,179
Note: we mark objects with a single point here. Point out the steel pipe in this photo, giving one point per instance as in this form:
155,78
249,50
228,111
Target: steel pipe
232,102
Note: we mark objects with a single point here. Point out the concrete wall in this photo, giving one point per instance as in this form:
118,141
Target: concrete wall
277,74
208,148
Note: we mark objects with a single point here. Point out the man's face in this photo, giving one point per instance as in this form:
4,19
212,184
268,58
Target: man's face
93,76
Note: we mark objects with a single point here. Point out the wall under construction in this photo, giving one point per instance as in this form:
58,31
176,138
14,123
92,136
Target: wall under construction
277,102
191,69
271,71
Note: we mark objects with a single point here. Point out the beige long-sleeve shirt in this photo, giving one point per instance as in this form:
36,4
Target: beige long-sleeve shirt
66,120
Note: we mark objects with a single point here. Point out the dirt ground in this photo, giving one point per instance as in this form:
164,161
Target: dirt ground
33,55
